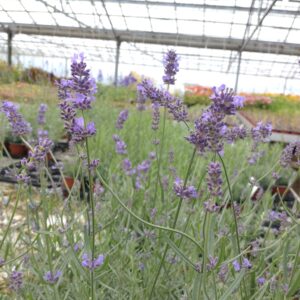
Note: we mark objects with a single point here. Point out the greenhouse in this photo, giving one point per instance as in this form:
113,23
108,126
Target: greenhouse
150,149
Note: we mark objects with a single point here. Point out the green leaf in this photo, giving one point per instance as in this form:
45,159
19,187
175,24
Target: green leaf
235,284
179,252
295,285
196,287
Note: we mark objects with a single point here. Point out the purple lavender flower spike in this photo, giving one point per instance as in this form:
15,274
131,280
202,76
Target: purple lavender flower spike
52,277
41,114
16,281
16,121
290,156
67,113
78,246
236,266
127,167
128,80
123,116
214,180
81,82
120,145
188,192
261,281
261,132
64,86
246,264
92,264
138,183
171,66
152,155
144,166
224,100
94,164
42,134
79,132
223,272
211,206
155,115
212,262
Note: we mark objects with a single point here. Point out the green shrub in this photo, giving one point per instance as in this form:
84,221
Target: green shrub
8,73
190,99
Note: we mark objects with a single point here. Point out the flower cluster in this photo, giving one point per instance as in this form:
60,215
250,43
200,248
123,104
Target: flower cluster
83,86
16,281
160,97
41,114
214,180
39,152
52,277
291,155
171,66
155,115
80,131
211,131
123,116
19,126
184,192
87,262
246,264
128,80
77,93
120,145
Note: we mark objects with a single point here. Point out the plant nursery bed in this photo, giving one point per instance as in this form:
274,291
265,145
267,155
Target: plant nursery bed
8,175
285,128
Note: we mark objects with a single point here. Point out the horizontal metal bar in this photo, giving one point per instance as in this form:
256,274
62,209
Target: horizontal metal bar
153,38
196,5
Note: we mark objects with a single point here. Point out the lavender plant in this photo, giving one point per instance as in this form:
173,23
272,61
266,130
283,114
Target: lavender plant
172,216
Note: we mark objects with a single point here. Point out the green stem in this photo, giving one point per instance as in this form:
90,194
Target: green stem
11,218
173,226
92,207
234,218
159,159
146,222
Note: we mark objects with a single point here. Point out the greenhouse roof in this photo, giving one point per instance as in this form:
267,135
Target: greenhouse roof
209,35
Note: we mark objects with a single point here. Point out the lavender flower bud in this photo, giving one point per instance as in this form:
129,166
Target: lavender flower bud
17,123
184,192
123,116
127,167
120,145
155,116
51,277
171,66
41,114
223,272
261,281
236,266
290,156
214,180
212,262
16,281
80,132
92,264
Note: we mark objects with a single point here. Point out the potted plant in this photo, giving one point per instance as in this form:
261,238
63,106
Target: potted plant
15,147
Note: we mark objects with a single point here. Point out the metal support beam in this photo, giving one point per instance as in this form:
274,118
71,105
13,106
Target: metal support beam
9,48
160,38
238,71
117,62
196,5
